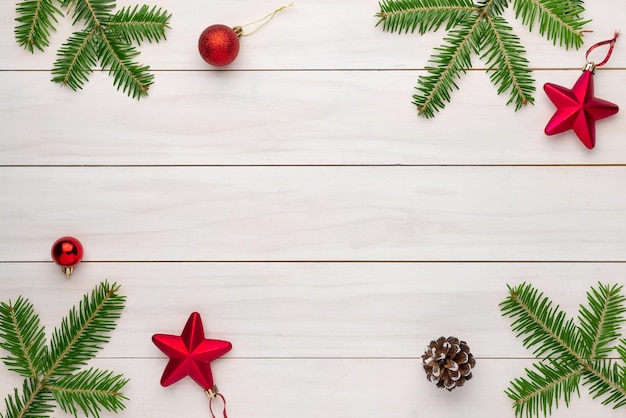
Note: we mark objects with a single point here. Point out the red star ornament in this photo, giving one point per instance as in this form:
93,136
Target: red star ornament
578,109
190,354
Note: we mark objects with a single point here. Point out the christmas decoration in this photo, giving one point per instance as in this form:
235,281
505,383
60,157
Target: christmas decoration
67,252
107,37
479,27
448,362
570,352
51,372
190,355
219,44
577,108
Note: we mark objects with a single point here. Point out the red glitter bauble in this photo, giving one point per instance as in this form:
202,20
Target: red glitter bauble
67,252
218,45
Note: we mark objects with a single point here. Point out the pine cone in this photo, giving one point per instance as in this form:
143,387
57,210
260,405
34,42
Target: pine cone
448,362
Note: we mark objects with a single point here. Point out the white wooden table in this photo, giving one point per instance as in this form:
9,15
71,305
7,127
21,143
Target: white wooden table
298,203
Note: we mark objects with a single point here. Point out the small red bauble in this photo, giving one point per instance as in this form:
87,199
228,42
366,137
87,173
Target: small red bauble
67,252
219,45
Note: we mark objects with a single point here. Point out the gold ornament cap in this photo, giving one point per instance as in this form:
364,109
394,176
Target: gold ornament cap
590,66
212,393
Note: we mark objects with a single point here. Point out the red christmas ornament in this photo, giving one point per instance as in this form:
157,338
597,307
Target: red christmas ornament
219,44
577,108
67,252
190,355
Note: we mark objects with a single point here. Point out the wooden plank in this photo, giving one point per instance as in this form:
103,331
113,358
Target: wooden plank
310,338
350,388
316,213
290,118
315,34
311,310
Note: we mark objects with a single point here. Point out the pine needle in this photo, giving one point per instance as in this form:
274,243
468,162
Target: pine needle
91,391
92,12
52,373
85,330
37,19
423,15
32,402
573,352
139,24
559,20
109,38
507,66
449,62
76,59
23,336
117,56
478,28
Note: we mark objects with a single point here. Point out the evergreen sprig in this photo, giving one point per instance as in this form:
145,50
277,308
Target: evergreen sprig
479,29
570,352
52,372
108,37
36,20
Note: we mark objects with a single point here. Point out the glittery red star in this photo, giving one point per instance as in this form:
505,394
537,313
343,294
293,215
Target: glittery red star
578,109
190,353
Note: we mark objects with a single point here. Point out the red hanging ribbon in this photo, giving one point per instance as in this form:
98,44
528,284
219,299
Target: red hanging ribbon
610,42
211,405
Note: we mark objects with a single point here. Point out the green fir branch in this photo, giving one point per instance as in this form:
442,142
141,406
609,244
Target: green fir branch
507,66
31,403
601,320
128,75
449,63
573,352
621,350
49,371
493,7
545,328
465,21
139,24
23,337
76,59
107,37
36,20
545,386
559,20
604,379
423,15
85,330
91,391
92,12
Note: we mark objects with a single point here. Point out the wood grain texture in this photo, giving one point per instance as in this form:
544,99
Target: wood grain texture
290,118
311,310
315,34
347,388
317,213
298,203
